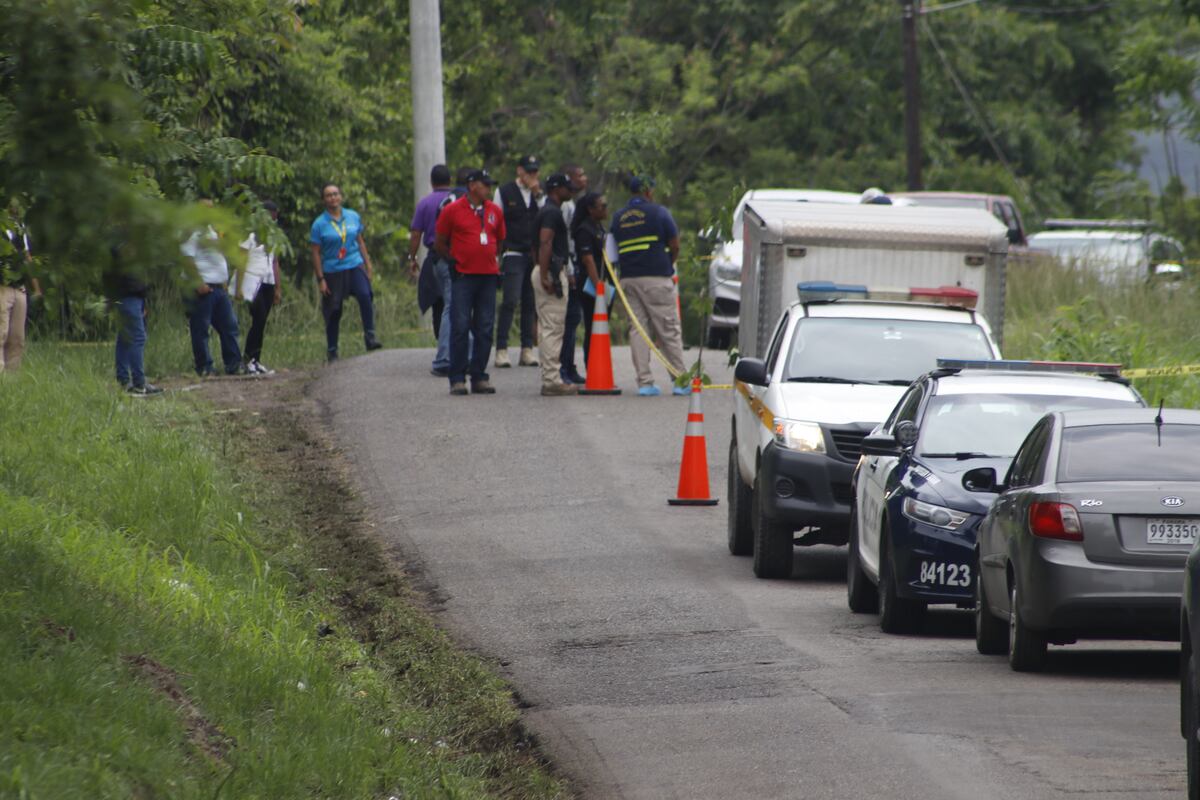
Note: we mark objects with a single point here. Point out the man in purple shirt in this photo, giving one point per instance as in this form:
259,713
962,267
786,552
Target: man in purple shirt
433,283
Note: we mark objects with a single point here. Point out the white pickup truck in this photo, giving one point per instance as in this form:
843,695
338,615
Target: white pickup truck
836,356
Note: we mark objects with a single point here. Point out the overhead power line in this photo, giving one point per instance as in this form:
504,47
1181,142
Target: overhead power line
979,117
1090,8
948,6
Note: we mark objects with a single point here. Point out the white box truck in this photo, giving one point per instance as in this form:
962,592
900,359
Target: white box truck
842,307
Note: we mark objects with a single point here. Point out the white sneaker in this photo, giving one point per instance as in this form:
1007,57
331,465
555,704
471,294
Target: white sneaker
256,367
502,358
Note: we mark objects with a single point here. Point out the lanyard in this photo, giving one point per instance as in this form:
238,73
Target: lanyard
340,231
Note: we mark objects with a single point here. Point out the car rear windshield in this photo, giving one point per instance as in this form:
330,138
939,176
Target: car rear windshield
992,424
1130,453
879,350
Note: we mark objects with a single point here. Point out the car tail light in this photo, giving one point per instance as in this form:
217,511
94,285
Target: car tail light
1055,521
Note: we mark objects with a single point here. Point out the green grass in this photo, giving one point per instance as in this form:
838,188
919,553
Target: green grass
1056,312
130,534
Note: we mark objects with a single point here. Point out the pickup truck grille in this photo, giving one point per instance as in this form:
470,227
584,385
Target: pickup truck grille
848,443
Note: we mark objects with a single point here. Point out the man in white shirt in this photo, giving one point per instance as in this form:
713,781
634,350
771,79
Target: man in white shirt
210,306
261,286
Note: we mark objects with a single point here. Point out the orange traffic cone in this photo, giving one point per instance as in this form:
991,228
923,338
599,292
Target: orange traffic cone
693,471
599,367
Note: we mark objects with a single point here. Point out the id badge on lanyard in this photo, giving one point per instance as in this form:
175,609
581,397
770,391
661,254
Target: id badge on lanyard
483,237
341,232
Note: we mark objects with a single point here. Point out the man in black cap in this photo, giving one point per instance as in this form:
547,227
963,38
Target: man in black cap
551,285
521,199
469,231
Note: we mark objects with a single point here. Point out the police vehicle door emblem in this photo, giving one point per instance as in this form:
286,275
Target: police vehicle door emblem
1171,501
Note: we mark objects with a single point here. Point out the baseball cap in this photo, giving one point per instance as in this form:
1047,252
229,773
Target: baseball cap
556,180
529,163
481,175
640,183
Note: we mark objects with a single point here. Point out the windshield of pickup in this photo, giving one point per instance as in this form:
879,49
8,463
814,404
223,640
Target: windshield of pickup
863,350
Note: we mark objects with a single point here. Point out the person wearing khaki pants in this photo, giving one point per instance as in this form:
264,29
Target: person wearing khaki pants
647,242
550,286
13,306
652,301
14,302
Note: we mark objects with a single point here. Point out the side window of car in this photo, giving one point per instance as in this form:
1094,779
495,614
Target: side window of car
776,343
907,408
1026,464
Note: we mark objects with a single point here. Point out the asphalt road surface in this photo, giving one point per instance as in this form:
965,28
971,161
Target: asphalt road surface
657,666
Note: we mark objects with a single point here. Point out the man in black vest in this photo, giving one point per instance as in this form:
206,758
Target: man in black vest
521,200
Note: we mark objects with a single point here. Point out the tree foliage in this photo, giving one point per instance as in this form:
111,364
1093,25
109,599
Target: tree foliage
116,116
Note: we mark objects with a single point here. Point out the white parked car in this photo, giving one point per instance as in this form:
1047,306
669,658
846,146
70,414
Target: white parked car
1116,250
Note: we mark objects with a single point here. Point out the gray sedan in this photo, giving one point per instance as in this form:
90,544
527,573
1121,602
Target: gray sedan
1090,532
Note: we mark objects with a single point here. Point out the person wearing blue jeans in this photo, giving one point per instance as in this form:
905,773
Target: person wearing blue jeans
131,346
211,307
472,319
469,232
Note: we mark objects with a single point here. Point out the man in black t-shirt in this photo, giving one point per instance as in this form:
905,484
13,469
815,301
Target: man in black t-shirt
550,285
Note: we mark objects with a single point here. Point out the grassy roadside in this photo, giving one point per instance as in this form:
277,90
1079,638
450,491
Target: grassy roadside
186,613
1059,313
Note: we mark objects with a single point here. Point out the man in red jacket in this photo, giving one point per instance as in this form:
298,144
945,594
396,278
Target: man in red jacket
469,233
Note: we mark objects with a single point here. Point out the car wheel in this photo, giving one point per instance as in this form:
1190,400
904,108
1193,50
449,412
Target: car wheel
1191,719
740,498
773,548
896,614
861,594
1026,648
991,637
718,338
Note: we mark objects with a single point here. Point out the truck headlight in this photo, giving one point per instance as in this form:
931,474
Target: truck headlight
728,271
937,516
803,437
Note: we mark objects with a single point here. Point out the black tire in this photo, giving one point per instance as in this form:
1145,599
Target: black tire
1191,718
861,595
991,634
718,338
896,614
773,547
739,504
1026,648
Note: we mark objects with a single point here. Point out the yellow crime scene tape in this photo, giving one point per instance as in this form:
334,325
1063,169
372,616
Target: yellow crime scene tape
1161,372
645,336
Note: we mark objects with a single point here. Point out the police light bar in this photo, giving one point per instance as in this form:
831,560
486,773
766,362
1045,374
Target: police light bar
1001,365
828,291
948,295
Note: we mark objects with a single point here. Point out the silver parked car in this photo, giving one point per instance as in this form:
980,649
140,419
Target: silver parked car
1090,532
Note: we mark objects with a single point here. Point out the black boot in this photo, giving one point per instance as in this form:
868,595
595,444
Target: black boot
372,342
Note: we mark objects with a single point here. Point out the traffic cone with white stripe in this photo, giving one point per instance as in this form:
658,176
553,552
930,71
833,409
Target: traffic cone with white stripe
599,366
693,471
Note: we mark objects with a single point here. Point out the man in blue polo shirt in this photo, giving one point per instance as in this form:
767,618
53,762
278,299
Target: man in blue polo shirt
647,241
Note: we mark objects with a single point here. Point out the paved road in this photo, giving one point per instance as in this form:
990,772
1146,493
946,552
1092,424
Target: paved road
657,666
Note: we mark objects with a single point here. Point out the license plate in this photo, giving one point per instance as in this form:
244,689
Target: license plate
1171,531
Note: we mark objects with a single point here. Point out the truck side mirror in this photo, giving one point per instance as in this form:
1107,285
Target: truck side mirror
880,444
752,371
981,479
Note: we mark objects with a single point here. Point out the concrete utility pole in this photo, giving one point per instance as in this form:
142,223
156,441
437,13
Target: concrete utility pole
912,95
429,116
